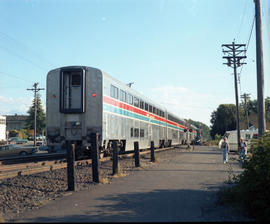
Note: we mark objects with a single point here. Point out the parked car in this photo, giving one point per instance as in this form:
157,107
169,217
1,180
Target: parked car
31,138
55,148
17,140
40,138
13,150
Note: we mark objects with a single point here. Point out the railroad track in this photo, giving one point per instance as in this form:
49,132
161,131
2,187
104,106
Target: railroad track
31,158
9,171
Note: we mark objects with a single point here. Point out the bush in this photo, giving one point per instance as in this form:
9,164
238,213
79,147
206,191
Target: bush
13,133
22,133
251,189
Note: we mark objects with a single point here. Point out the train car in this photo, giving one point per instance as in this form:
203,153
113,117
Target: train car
82,100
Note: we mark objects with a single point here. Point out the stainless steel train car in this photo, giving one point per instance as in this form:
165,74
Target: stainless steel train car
82,100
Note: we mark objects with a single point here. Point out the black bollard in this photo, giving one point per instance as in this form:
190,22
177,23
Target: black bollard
137,154
70,166
95,157
115,157
152,152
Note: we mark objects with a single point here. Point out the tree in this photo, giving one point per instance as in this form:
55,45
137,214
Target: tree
205,130
30,122
223,119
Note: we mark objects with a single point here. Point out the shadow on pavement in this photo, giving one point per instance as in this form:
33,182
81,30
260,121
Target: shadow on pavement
154,206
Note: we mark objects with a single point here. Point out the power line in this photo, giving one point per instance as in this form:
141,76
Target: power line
242,19
252,25
14,76
25,59
26,47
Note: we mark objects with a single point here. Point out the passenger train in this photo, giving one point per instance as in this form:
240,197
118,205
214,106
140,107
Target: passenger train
82,100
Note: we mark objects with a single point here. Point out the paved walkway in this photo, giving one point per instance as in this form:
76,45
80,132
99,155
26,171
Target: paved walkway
181,189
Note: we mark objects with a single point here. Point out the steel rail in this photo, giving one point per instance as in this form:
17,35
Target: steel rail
38,167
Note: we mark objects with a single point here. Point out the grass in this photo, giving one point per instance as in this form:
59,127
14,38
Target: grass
120,173
103,180
2,220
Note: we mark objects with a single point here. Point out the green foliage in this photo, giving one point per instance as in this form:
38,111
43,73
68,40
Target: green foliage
223,119
251,189
13,133
23,133
253,112
217,137
40,116
211,143
205,130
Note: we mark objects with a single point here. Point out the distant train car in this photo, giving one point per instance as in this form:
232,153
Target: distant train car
83,100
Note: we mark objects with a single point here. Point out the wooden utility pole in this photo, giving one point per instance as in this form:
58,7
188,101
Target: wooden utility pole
35,89
234,56
260,73
246,97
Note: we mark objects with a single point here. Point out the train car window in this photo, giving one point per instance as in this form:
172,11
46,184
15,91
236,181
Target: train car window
146,106
141,104
162,114
136,132
130,99
154,110
76,80
131,132
141,133
123,96
136,102
114,92
150,108
158,112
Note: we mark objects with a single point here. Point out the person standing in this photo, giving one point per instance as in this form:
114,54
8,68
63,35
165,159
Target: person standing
225,150
243,150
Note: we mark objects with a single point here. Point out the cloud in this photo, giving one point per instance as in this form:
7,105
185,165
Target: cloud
10,105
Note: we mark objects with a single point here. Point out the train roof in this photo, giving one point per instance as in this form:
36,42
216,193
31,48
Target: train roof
124,87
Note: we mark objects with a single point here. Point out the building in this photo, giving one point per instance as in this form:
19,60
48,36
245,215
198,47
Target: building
16,122
3,128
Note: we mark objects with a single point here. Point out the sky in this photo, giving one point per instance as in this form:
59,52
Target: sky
170,49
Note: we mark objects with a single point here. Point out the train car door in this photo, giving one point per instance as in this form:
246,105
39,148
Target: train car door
72,89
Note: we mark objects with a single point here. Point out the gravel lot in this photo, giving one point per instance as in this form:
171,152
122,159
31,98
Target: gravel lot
21,194
28,192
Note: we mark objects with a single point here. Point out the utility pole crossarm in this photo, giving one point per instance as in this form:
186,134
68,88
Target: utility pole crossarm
234,57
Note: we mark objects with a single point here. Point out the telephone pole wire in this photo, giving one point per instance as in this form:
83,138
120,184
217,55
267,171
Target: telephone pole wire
35,89
260,73
234,55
